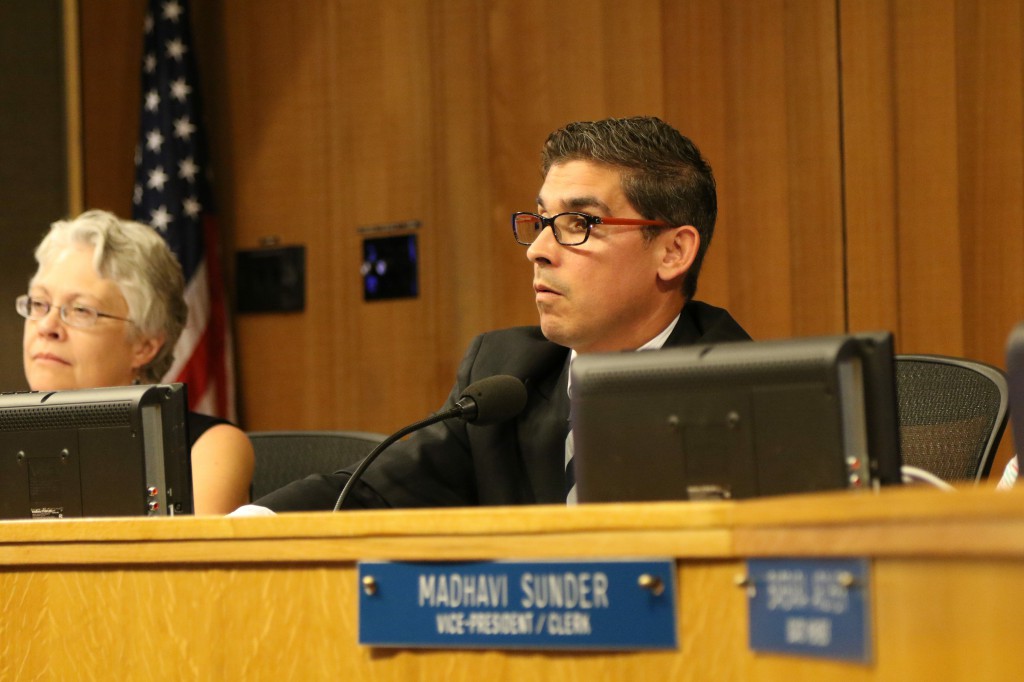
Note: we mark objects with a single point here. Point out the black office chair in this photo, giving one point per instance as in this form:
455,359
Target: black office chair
952,414
286,456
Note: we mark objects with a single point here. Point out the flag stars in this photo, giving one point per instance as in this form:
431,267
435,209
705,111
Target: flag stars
154,140
180,89
187,169
192,207
176,49
148,23
152,100
149,62
160,218
172,11
137,194
183,128
157,179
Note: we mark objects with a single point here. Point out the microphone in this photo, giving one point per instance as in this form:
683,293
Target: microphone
488,401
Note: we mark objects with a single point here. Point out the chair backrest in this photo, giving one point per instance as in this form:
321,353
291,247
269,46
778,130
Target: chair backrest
952,414
286,456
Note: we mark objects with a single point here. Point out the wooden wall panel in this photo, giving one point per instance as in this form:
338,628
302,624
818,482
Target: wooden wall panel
272,99
755,85
470,239
695,101
869,163
37,145
933,172
990,105
339,128
111,43
552,62
934,167
930,267
816,257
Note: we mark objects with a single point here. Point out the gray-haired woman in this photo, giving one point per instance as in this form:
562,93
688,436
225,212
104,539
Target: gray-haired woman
105,308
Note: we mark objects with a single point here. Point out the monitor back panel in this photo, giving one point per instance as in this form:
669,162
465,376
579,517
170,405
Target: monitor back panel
729,421
99,452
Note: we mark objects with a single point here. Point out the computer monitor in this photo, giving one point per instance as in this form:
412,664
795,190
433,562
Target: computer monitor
736,420
119,451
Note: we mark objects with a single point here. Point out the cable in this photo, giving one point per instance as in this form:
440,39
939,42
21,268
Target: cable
913,474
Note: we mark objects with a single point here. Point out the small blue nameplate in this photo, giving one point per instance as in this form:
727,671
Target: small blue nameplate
812,607
515,605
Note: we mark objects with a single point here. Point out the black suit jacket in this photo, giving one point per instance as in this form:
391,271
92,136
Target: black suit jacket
520,461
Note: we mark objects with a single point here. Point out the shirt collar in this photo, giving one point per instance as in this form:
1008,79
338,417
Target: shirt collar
654,344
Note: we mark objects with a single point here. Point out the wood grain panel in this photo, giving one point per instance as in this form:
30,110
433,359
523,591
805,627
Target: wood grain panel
73,105
816,254
94,611
869,166
972,522
37,146
933,171
930,267
989,48
915,617
552,62
696,102
469,238
346,128
271,115
386,164
111,62
233,624
755,85
360,113
932,156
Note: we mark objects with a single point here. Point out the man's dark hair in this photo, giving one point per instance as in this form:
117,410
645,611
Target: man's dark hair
664,177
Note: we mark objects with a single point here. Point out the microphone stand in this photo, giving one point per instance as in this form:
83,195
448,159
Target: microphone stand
500,397
454,412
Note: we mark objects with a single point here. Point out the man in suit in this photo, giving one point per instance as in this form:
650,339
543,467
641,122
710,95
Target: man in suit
623,220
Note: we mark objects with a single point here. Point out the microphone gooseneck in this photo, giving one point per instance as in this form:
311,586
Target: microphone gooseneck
488,401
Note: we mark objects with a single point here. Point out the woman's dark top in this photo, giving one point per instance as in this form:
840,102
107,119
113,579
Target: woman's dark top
198,425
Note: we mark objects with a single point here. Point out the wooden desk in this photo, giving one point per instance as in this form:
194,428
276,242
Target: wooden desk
275,598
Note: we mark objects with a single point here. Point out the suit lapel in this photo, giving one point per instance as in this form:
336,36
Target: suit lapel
542,433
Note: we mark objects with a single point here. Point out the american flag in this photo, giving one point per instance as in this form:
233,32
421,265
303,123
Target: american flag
172,195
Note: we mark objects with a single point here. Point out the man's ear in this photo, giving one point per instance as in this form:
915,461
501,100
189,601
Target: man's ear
679,248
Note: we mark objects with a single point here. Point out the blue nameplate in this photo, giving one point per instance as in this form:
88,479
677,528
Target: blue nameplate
515,605
810,607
